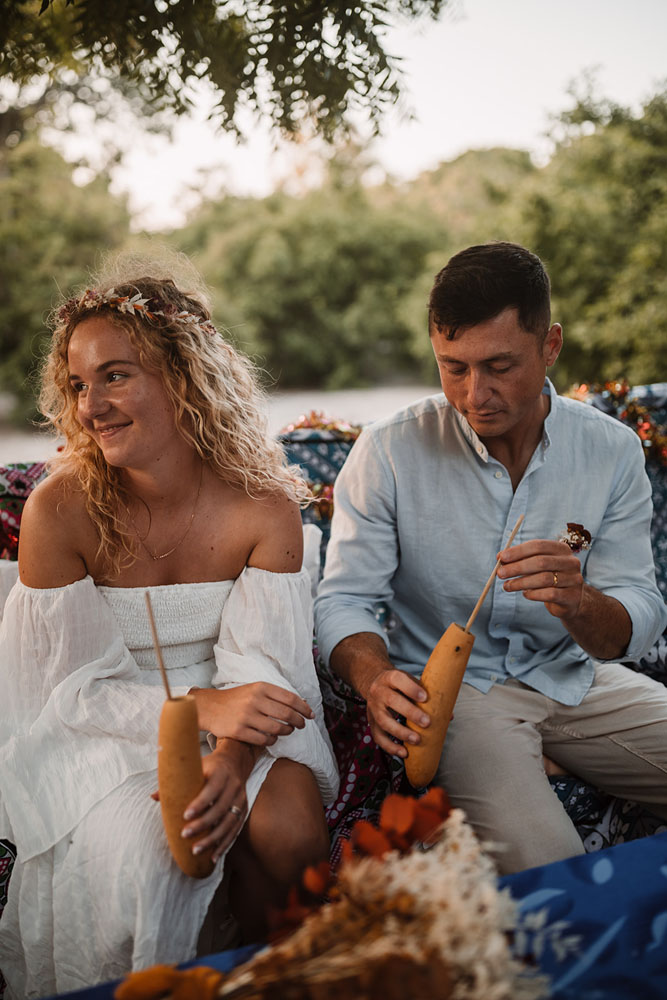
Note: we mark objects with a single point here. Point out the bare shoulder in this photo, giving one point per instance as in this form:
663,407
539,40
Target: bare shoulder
279,548
53,523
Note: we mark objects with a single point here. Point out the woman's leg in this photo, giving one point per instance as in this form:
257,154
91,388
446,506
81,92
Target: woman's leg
285,832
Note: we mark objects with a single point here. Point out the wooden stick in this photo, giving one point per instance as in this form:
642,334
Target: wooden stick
156,643
492,577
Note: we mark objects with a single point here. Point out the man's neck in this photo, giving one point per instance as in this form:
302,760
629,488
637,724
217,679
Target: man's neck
515,449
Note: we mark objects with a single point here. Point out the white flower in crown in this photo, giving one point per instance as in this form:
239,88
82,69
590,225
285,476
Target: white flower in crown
125,304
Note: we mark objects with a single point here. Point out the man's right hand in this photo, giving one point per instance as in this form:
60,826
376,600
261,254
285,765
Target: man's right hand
362,661
395,693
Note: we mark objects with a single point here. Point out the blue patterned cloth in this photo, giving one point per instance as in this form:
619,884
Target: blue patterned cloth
595,924
616,904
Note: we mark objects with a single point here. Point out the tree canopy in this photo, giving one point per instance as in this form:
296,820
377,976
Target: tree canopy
329,289
51,232
305,64
312,286
597,215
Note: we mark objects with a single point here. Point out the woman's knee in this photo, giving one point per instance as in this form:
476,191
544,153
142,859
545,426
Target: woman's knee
287,828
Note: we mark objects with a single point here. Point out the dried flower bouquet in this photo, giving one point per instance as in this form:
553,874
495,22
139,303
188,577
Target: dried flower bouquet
413,912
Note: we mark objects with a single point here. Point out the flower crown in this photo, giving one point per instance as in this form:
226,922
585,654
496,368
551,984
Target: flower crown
151,309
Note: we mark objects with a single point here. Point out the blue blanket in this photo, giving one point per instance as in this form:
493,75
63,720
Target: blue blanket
614,902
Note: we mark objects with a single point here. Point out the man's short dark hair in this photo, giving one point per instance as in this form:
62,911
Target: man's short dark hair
482,281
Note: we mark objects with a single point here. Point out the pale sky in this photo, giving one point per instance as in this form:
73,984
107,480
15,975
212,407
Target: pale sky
491,73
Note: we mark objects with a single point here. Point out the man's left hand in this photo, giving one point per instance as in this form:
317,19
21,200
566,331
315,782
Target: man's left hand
546,571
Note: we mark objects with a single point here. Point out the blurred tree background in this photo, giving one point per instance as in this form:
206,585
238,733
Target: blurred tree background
328,288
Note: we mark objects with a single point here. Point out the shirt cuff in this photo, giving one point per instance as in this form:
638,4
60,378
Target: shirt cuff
343,622
649,620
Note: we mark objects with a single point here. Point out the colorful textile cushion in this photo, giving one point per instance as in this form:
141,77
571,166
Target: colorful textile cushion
644,408
16,484
7,859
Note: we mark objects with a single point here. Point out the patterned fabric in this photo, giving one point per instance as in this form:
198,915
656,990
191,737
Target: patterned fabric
601,819
613,906
367,773
658,475
617,400
320,452
7,859
16,484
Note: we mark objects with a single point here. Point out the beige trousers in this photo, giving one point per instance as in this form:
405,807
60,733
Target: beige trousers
492,767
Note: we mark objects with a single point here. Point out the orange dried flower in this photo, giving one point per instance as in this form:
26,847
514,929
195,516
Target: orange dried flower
397,814
317,878
369,840
283,922
146,984
198,983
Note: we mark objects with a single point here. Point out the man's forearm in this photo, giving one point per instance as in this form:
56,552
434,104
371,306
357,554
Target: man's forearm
359,658
601,626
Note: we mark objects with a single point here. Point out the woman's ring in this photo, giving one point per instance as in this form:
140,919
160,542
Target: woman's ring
235,810
555,579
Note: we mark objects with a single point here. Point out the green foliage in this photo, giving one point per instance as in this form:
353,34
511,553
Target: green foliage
472,200
50,233
330,289
312,286
298,62
469,194
596,214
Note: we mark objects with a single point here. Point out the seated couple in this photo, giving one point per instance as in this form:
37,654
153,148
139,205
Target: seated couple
169,482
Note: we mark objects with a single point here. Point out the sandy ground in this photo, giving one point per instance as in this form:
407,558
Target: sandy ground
354,405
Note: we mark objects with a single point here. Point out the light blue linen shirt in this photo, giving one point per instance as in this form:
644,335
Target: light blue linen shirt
421,511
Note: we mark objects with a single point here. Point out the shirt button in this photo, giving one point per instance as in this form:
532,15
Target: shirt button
494,677
498,474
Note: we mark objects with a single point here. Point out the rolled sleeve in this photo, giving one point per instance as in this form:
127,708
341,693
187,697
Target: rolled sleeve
362,555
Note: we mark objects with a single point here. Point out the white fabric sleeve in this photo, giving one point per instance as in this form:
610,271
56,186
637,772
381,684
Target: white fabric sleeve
68,737
266,634
9,574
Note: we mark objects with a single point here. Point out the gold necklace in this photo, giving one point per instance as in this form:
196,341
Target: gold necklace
163,555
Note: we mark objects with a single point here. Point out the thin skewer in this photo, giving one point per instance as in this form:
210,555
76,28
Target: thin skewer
492,577
156,643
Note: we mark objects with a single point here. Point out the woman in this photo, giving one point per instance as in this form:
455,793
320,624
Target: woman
167,483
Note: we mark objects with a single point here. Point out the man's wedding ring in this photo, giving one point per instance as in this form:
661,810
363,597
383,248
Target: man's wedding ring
235,810
555,579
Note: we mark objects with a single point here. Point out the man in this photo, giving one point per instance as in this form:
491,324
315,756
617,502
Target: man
423,507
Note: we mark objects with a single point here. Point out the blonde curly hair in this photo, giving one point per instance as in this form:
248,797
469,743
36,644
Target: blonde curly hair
215,390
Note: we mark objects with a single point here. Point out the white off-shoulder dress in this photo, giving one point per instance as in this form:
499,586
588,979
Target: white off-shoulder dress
94,892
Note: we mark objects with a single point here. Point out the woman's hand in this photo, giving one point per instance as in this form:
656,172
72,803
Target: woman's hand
254,713
215,816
